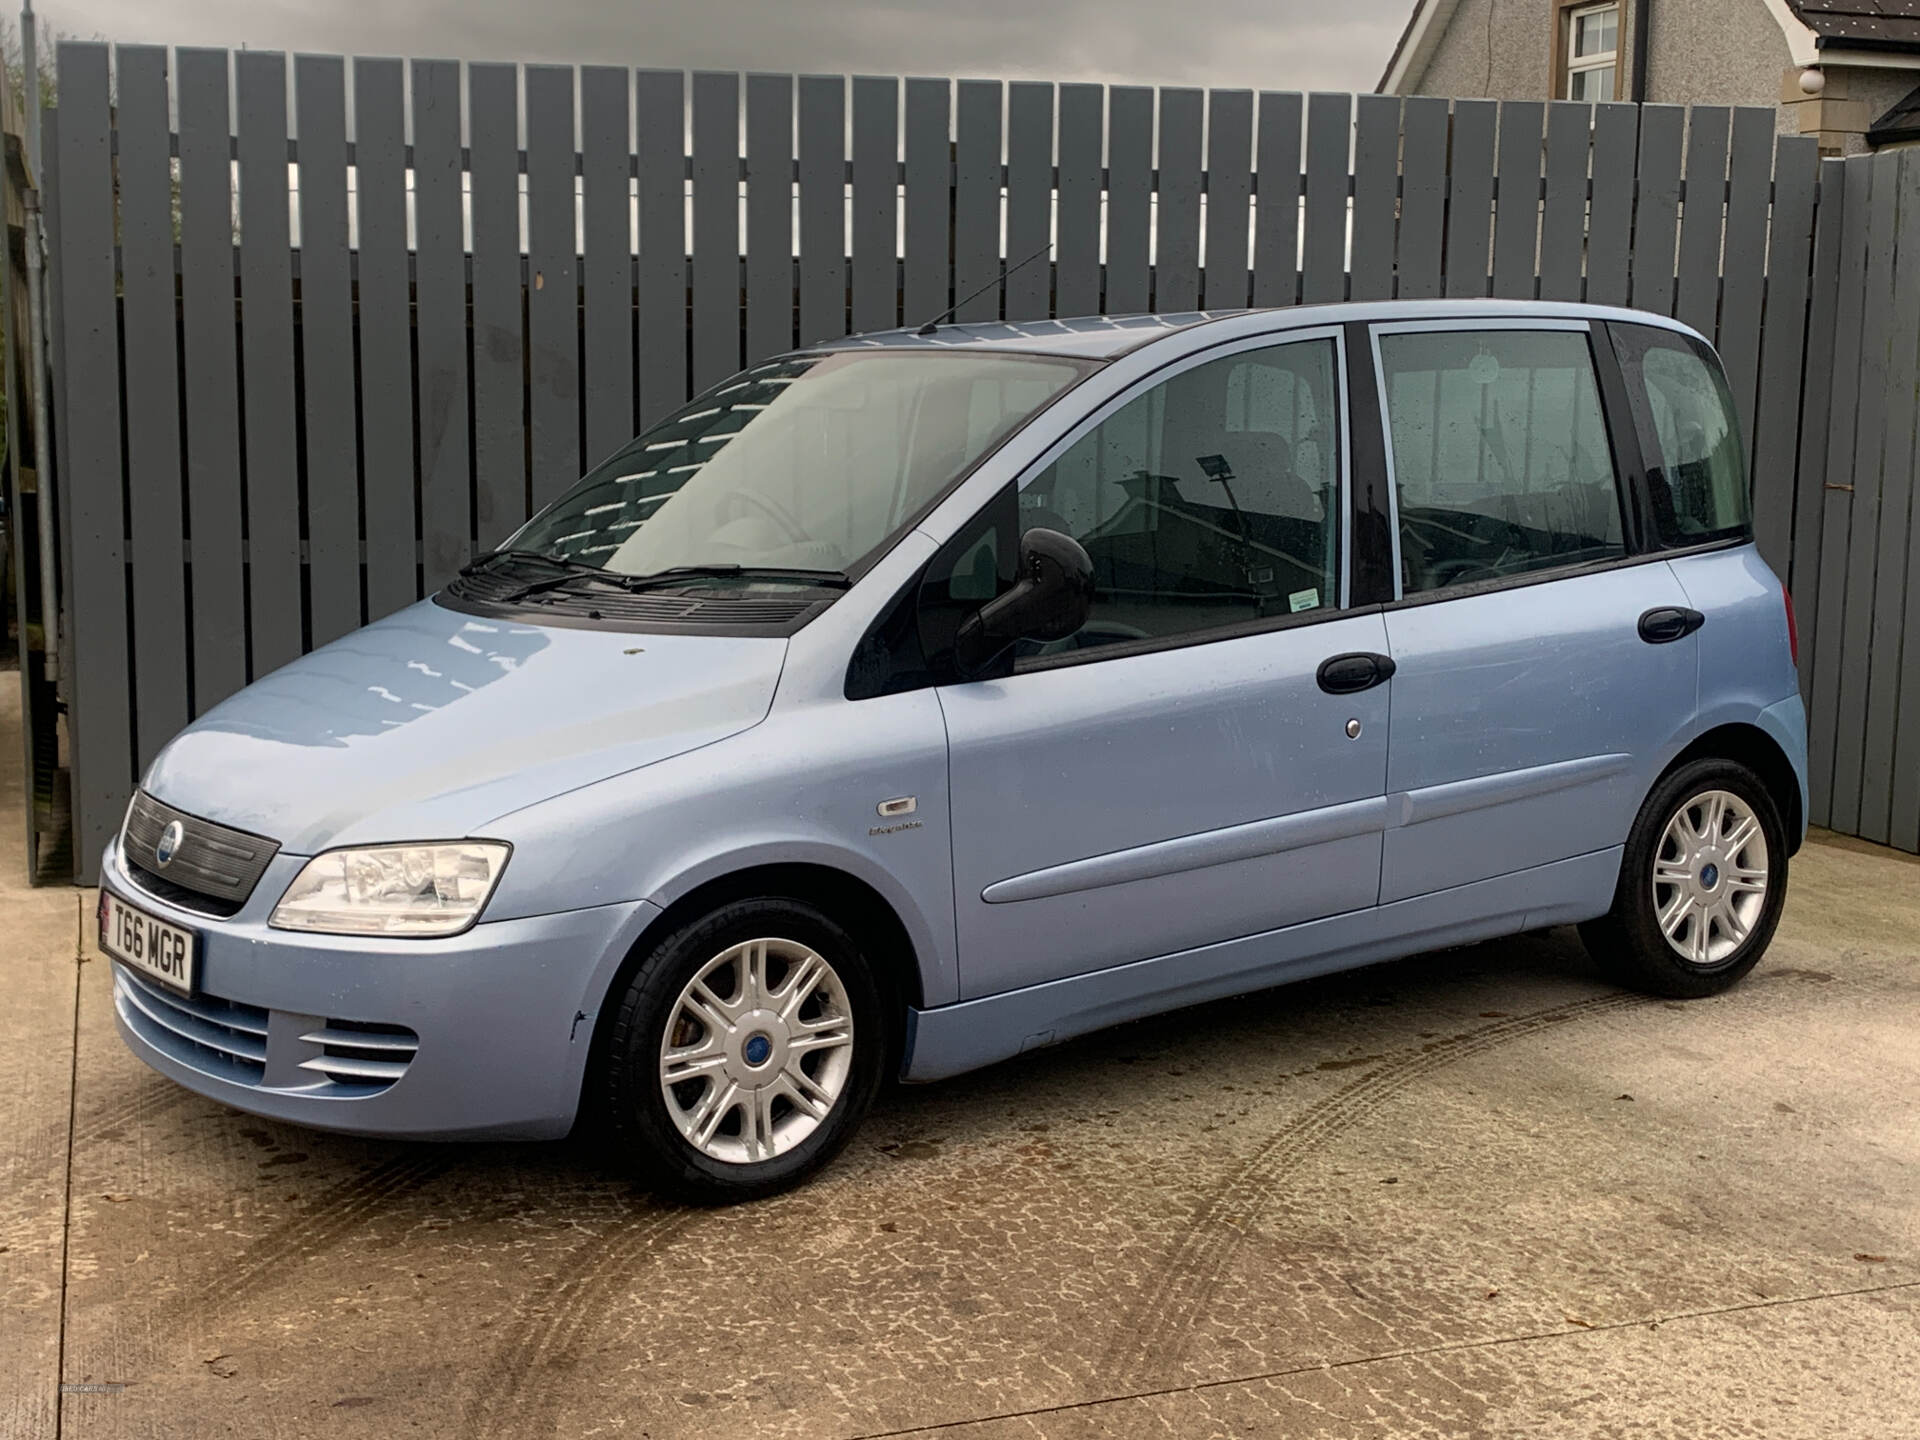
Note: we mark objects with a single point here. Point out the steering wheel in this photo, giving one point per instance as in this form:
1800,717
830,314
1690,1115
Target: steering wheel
788,526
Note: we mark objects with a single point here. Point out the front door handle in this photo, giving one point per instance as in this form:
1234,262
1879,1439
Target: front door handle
1349,674
1667,623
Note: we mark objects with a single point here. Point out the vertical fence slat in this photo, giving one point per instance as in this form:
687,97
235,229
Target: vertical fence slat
1656,216
1423,203
976,221
1029,197
1323,267
1376,166
440,301
1229,190
1894,537
1743,263
386,379
1777,419
1276,212
152,396
1563,217
606,280
1900,654
1129,198
101,720
1616,136
326,348
1176,257
212,376
553,283
1810,498
1701,218
266,346
769,215
499,429
876,192
1077,247
1516,225
823,208
1843,409
1869,443
716,228
1470,206
929,264
660,119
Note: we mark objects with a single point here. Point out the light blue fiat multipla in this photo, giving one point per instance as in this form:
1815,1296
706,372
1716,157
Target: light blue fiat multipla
918,699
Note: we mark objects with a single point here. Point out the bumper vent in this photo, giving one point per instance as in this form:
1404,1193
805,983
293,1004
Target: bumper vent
217,1037
211,868
361,1054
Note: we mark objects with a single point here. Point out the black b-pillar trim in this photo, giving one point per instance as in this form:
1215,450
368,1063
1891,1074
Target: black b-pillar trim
1370,520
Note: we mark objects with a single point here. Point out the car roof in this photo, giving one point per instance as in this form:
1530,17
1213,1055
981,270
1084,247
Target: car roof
1105,337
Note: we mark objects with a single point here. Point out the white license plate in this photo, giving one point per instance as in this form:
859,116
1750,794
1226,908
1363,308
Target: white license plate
148,944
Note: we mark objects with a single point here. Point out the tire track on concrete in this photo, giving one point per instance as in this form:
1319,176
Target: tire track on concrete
540,1356
145,1103
335,1212
1158,1327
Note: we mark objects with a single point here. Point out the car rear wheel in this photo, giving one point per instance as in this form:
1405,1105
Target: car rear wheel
744,1052
1702,883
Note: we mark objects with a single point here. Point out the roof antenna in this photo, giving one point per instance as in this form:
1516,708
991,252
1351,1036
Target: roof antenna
1005,270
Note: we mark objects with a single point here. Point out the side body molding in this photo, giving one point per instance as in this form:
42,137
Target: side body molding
1295,832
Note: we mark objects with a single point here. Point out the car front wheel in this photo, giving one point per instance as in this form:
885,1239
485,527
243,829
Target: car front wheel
1702,883
745,1050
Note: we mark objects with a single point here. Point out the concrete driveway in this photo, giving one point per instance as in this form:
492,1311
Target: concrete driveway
1477,1193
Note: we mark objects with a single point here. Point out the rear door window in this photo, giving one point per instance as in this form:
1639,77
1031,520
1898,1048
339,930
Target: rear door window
1684,416
1501,461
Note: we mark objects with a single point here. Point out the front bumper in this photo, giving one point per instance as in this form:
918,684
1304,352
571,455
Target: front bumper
503,1017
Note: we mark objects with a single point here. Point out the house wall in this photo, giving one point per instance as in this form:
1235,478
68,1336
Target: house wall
1716,52
1507,61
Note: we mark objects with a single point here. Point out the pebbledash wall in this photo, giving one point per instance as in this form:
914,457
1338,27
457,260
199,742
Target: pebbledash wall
304,370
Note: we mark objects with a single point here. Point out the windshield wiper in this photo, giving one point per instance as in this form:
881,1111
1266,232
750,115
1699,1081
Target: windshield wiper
678,574
552,562
575,571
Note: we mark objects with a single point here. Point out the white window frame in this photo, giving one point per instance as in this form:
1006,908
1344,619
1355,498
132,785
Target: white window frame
1576,64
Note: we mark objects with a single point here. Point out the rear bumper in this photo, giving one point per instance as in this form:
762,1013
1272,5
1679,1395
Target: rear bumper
503,1015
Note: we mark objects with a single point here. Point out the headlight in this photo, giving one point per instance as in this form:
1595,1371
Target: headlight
419,890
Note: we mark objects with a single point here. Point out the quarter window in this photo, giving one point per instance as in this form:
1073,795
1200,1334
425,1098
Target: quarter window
1211,500
1683,413
1501,462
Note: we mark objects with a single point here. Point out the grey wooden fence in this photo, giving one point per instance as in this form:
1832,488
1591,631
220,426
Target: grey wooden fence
269,434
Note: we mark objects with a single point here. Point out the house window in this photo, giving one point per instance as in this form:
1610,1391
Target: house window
1592,43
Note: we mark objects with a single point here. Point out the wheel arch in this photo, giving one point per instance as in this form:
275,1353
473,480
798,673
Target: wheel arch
849,900
1749,745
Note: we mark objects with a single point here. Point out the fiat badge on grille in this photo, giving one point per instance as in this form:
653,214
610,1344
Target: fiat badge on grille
168,845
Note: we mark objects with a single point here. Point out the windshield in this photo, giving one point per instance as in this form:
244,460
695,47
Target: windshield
805,464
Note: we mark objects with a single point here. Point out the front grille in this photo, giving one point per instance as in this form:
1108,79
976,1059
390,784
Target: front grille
491,586
219,1037
360,1053
213,869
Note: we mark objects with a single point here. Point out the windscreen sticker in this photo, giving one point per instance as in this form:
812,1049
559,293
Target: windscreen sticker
1304,600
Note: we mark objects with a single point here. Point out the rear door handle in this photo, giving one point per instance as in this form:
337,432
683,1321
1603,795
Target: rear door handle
1669,622
1351,673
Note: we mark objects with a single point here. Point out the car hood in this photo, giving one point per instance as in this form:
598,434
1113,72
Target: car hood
430,723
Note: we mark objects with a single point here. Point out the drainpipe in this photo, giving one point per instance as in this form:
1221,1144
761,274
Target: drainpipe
1642,19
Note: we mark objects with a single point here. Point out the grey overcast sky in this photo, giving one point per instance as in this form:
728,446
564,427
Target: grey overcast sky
1271,44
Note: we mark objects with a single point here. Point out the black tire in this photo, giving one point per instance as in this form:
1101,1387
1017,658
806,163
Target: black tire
635,1109
1628,940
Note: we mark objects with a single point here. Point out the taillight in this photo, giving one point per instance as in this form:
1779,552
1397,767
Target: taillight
1793,627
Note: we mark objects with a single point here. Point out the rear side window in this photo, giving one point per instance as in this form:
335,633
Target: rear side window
1501,463
1683,413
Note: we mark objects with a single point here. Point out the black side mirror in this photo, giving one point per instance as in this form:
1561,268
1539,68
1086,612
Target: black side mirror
1051,598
